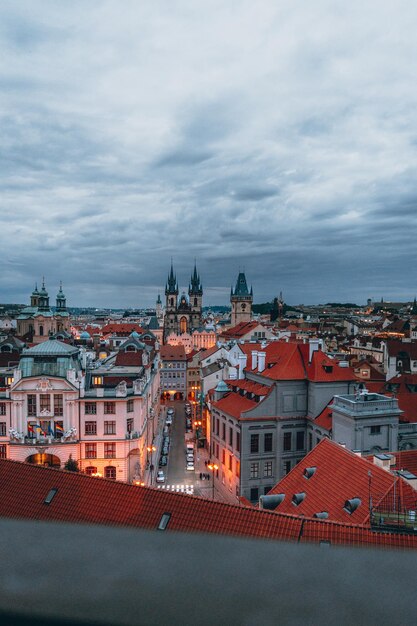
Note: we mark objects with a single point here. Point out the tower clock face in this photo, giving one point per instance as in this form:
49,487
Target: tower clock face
243,306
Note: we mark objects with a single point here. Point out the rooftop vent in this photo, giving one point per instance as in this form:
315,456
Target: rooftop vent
352,504
271,502
298,498
309,472
50,495
164,521
321,515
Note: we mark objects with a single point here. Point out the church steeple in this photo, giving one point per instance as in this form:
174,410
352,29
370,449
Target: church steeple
61,302
171,285
241,300
195,288
43,297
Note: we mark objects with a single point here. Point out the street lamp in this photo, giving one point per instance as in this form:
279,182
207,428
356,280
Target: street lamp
151,449
213,467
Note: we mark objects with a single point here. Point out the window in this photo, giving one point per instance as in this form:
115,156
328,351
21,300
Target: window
110,472
310,441
238,441
254,470
90,470
287,441
3,451
91,428
97,380
254,443
230,436
3,408
2,429
230,462
45,402
109,450
109,408
287,467
224,431
375,430
268,469
217,426
238,469
91,408
267,489
58,404
300,440
254,494
129,424
90,450
268,442
129,406
223,457
31,405
110,428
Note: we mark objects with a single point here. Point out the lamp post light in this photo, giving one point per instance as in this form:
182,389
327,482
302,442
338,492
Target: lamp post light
151,450
213,467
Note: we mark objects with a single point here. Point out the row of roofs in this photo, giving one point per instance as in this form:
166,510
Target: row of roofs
330,479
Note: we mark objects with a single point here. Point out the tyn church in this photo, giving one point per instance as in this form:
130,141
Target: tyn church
184,314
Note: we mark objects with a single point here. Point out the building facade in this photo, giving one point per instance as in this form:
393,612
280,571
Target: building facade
183,314
38,322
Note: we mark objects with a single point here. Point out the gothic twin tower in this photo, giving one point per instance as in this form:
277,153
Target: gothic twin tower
184,315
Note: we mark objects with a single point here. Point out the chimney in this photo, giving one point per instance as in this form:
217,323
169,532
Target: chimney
261,361
254,359
357,452
314,346
242,365
382,460
342,444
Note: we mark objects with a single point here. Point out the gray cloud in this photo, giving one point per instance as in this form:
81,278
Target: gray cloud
280,139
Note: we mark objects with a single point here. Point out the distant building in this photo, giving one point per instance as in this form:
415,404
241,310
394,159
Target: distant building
241,300
183,315
38,321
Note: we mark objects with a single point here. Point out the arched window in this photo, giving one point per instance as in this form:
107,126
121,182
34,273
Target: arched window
172,301
6,348
183,325
90,470
41,330
195,302
110,472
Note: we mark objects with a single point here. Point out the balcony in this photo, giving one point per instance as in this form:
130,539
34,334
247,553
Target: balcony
42,441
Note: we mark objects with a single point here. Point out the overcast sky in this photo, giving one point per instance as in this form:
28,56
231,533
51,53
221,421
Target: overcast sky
278,136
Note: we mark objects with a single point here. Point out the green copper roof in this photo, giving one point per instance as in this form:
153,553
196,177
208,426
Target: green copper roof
51,347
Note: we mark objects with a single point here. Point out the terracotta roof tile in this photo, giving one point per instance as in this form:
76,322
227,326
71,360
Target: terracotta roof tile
234,404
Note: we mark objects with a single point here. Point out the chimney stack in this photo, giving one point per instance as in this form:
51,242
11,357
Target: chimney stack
254,359
261,361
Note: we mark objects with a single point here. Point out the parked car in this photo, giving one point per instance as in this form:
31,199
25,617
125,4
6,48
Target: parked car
190,466
168,421
160,477
170,412
190,457
163,461
165,450
166,440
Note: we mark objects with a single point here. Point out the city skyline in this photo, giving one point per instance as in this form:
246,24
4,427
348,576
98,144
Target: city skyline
277,137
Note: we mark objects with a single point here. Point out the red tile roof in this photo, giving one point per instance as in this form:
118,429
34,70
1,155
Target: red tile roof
234,404
248,385
121,329
324,420
283,361
82,499
240,330
173,353
209,352
324,369
133,359
340,475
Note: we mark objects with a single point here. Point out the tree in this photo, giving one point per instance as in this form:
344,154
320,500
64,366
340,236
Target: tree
71,465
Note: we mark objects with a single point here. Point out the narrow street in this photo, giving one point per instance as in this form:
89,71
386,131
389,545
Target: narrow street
177,477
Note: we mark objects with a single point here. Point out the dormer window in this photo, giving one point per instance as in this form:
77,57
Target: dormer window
351,505
97,380
130,348
309,472
298,498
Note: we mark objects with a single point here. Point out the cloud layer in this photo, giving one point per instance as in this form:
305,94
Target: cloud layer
276,136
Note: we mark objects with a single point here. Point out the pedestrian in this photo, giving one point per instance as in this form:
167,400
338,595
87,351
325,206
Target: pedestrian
205,463
208,476
201,476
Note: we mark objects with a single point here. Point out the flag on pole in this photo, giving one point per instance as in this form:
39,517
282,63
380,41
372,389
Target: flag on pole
50,430
58,428
39,429
30,428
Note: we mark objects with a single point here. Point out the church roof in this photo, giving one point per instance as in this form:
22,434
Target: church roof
241,288
50,347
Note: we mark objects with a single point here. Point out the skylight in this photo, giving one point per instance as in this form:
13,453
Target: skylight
309,472
298,498
51,495
164,521
351,505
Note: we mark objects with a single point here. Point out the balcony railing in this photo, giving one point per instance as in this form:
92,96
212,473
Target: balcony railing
41,441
